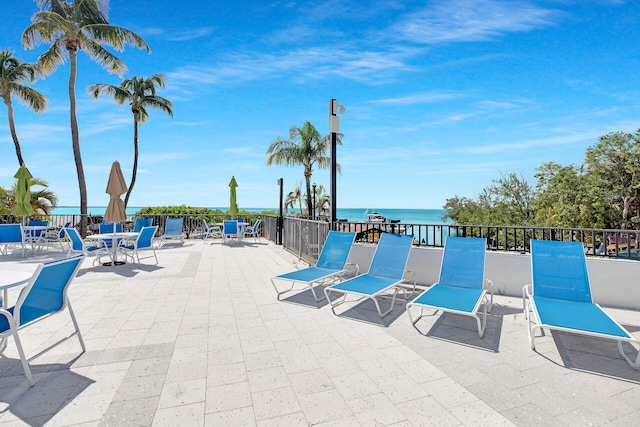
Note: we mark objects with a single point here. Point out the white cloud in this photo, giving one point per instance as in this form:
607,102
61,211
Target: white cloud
472,20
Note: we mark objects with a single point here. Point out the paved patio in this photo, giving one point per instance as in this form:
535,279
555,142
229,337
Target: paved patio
200,339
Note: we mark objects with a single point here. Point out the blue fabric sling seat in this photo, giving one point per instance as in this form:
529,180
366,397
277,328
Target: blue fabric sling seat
331,265
560,297
460,288
385,273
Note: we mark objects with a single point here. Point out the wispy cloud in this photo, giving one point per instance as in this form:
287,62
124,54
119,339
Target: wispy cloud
472,20
191,34
420,98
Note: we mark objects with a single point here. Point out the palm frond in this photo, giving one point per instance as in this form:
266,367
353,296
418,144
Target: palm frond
117,37
54,56
30,97
102,57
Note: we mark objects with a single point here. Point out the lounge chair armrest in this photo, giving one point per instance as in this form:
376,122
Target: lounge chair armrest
526,294
352,267
489,287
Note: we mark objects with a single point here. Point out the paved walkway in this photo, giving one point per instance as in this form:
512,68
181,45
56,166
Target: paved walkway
200,339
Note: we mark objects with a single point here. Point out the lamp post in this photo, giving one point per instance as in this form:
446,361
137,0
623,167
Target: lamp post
280,218
313,215
334,125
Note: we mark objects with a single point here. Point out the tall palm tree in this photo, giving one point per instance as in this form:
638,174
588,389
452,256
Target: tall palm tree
69,27
12,73
140,93
305,147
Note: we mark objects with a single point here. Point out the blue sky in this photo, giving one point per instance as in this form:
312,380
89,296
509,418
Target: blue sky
441,97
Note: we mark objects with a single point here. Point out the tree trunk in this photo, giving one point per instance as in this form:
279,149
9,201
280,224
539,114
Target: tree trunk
75,139
307,177
12,127
135,160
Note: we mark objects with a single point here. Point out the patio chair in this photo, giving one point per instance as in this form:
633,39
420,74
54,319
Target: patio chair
142,222
252,231
36,237
11,235
77,245
131,249
172,231
331,265
460,288
230,230
211,231
58,236
385,273
560,297
45,295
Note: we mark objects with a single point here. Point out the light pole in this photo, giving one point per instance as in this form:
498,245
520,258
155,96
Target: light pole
280,218
334,125
313,215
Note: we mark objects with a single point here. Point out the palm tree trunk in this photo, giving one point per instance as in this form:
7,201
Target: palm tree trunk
12,127
307,177
75,139
135,159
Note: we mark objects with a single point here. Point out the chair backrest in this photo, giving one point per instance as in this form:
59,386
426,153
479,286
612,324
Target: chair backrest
77,245
173,227
256,225
142,222
11,233
463,262
336,250
38,223
145,238
46,292
107,227
391,255
230,227
559,270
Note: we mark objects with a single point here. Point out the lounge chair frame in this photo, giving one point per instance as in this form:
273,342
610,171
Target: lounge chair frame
380,280
331,267
454,286
580,302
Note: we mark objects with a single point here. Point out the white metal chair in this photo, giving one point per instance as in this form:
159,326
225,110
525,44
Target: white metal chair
11,235
172,230
230,230
44,295
77,245
252,231
211,231
144,241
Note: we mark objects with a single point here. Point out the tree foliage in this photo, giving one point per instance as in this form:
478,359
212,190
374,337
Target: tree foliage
603,192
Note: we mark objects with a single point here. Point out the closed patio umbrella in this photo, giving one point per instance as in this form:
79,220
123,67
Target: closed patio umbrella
233,208
23,193
116,187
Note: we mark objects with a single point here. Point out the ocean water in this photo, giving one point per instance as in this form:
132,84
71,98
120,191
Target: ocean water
407,216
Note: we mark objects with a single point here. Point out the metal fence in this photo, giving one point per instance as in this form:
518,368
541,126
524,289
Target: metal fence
303,237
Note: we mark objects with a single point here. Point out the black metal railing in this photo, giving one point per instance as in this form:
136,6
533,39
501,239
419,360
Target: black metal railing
610,243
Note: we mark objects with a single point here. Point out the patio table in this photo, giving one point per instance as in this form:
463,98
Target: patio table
115,238
10,279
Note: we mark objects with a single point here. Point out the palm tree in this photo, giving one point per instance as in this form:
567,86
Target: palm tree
43,201
70,27
140,93
12,73
304,147
293,197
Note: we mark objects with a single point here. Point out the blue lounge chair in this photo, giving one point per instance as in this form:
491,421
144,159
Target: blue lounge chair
560,297
460,288
11,235
331,265
172,230
144,241
44,296
386,273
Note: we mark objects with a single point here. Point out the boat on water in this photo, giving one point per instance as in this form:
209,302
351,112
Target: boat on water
378,218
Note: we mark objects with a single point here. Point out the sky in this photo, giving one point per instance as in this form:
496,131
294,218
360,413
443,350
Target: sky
441,96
